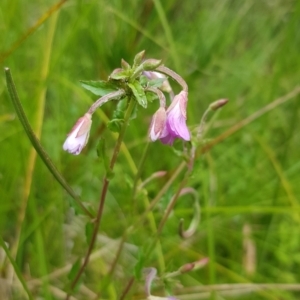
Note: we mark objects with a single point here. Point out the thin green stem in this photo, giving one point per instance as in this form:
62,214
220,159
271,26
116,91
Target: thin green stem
16,269
103,197
36,143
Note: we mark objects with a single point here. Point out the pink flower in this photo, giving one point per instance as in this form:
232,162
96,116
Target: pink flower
158,124
79,135
176,120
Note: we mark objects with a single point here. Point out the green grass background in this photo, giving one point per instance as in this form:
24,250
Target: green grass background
246,51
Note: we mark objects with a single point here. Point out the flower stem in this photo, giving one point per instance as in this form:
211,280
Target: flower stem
104,99
160,94
174,75
103,196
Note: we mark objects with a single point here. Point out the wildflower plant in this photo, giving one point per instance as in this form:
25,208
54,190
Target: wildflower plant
132,87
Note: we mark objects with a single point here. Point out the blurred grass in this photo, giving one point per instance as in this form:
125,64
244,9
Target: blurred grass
246,51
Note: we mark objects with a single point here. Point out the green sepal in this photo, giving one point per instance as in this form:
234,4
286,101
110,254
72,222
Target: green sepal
125,65
101,152
73,273
138,59
99,88
139,93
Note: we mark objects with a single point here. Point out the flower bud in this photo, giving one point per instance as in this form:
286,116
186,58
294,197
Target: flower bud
218,104
186,268
151,64
158,124
79,135
138,58
125,65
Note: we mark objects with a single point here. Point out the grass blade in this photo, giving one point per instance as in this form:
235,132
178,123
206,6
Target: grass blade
36,143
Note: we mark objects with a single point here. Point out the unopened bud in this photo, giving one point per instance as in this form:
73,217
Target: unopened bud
186,268
218,104
125,65
151,64
158,124
194,265
79,135
138,58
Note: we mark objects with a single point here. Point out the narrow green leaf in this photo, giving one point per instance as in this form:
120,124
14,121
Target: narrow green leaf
139,93
74,270
99,88
36,143
73,273
89,227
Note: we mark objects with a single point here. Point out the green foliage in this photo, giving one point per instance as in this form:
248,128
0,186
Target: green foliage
99,88
139,93
246,51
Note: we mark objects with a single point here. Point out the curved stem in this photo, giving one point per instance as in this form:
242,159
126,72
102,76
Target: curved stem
103,197
160,94
104,99
174,75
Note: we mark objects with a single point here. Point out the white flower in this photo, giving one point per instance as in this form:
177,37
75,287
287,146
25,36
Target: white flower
79,135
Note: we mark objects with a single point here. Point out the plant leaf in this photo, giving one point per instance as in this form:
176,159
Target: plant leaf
89,231
151,96
99,88
139,93
123,74
115,125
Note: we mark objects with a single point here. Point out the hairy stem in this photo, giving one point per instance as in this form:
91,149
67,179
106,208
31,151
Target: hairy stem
103,197
174,75
104,99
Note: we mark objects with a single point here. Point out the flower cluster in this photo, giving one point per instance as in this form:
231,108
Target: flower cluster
171,123
128,84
